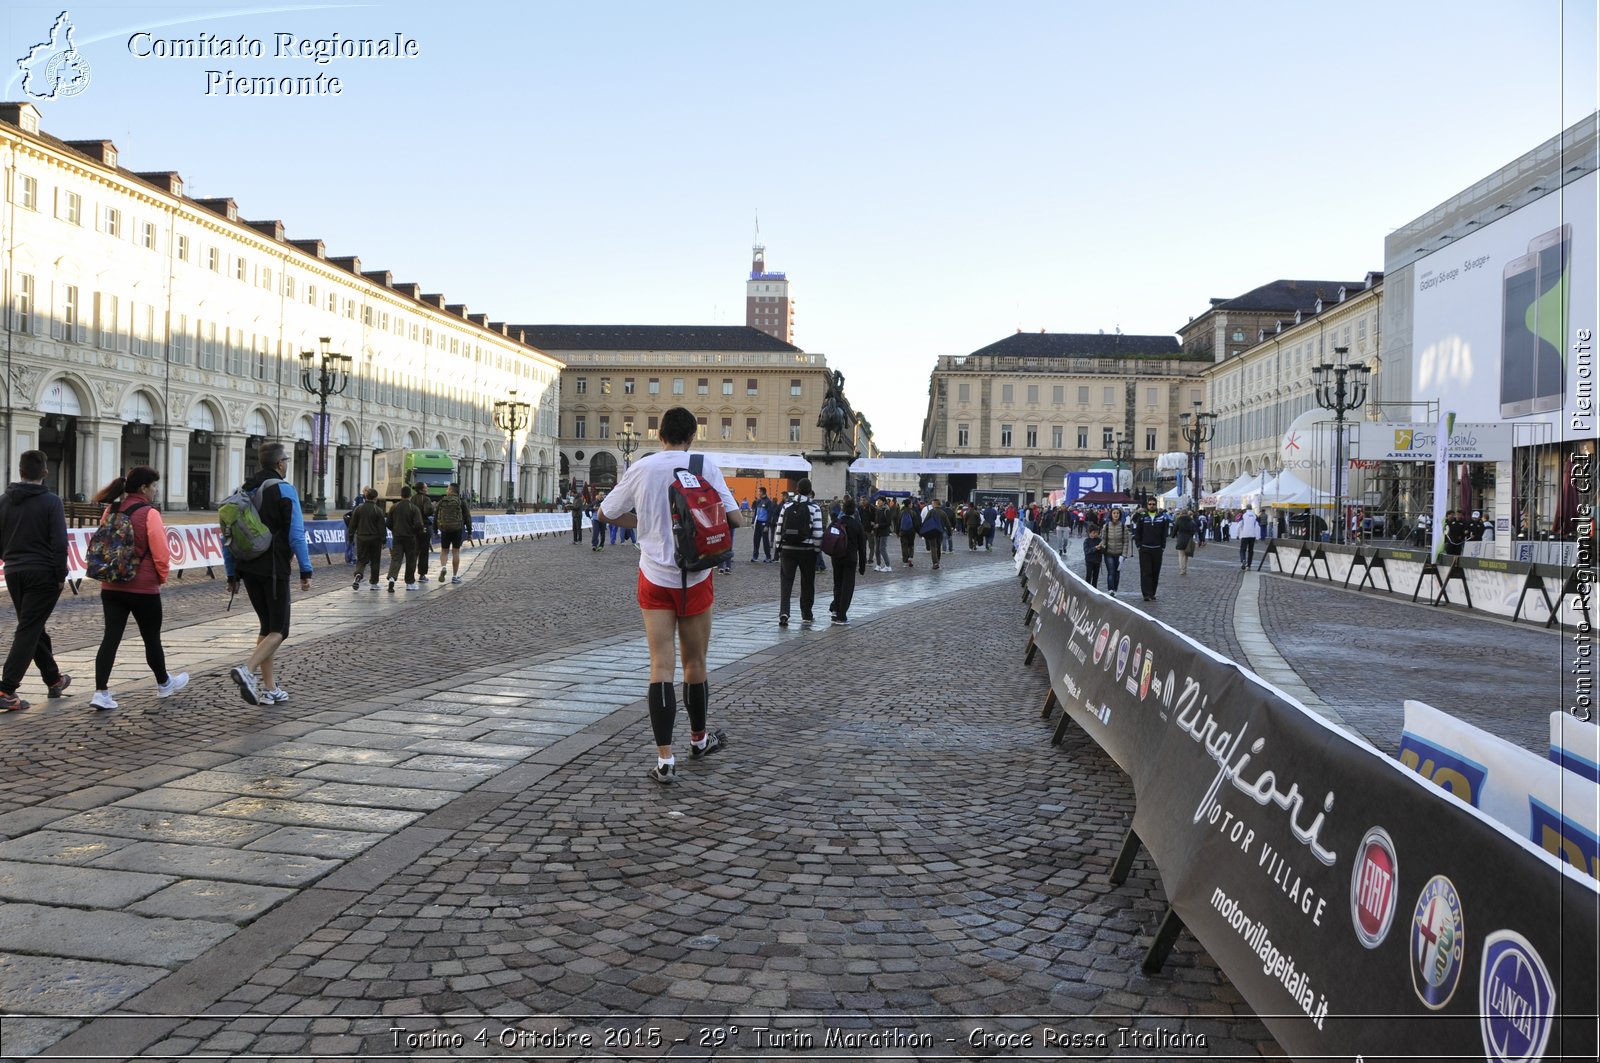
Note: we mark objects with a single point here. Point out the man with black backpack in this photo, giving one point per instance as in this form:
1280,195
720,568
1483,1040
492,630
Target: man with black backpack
453,518
266,575
675,591
800,545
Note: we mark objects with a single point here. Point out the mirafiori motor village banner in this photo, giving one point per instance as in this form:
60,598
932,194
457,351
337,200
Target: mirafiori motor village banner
1360,911
197,546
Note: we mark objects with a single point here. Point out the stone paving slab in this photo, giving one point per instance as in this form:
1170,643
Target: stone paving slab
322,754
219,780
61,847
315,841
146,825
381,796
205,861
112,937
77,887
231,902
304,814
174,799
46,985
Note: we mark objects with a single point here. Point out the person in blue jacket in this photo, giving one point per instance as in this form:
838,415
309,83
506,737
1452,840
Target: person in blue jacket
266,578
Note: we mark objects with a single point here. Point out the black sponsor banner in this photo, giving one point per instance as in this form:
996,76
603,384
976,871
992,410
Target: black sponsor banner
1358,909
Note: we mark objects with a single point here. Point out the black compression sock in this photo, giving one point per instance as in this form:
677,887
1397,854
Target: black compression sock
695,698
663,710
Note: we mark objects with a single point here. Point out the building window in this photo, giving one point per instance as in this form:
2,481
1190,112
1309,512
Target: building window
702,386
69,314
605,385
106,319
1083,396
963,435
333,302
1238,335
30,193
1108,396
580,426
582,385
794,429
727,387
1107,436
22,304
72,208
654,387
266,279
964,391
1194,396
677,385
700,426
749,429
1056,432
147,236
288,289
750,387
177,338
1005,436
794,389
1083,438
727,428
113,221
653,423
605,426
1032,436
1150,439
1033,394
1058,395
1007,393
213,260
627,385
182,245
1151,396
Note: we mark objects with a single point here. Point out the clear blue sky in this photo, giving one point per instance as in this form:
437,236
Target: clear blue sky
931,175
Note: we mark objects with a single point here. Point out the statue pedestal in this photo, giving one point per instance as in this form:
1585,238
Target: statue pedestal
829,473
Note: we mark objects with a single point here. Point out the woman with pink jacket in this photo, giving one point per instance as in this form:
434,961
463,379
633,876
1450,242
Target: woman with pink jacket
139,597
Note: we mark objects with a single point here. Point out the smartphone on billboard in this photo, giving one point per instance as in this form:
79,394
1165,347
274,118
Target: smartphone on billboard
1518,344
1554,252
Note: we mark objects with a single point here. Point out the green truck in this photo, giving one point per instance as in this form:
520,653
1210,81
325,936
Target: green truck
393,469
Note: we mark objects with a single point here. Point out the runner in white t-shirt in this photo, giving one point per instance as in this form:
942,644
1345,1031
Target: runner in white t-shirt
673,613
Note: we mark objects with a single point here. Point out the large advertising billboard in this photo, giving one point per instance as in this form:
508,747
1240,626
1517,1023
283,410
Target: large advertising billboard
1504,319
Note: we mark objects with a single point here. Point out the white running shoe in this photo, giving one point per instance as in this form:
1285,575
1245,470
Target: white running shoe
103,700
174,683
412,587
275,696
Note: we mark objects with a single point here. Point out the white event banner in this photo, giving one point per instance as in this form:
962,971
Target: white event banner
1403,441
938,465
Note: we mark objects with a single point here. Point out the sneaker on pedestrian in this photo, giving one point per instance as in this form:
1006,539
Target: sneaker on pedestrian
391,586
412,587
455,579
173,684
356,585
372,586
422,578
841,620
59,687
783,619
103,700
806,621
245,680
714,741
664,773
275,696
11,703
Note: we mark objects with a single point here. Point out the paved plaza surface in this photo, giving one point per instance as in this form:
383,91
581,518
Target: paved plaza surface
445,843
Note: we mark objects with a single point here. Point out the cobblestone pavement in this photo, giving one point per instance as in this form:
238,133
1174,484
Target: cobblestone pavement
450,821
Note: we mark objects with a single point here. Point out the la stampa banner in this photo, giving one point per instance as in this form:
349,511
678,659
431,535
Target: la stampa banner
1361,912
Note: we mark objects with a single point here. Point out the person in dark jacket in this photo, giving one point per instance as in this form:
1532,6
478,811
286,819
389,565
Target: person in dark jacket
424,504
933,530
1091,555
405,520
848,567
577,519
1184,532
799,556
974,528
33,543
368,529
139,597
1148,533
266,578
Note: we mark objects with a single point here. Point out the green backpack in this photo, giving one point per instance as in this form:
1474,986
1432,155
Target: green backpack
244,532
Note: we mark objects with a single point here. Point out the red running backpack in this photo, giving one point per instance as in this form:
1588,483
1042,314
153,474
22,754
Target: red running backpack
700,529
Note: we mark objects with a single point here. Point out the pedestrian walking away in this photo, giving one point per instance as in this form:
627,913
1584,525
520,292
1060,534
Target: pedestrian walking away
577,519
675,603
905,516
1249,531
369,528
849,565
799,546
933,531
597,525
453,518
404,520
1185,533
1113,546
1148,532
33,545
265,576
424,503
139,596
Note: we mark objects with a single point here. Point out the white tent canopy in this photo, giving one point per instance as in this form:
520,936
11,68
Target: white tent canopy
1234,495
1289,490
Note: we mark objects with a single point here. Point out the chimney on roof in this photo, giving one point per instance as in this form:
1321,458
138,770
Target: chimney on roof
166,180
25,116
273,229
315,248
222,205
347,262
99,150
379,276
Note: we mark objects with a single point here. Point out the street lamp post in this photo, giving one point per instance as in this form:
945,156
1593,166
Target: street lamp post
1340,388
1198,429
332,376
1120,450
511,417
627,442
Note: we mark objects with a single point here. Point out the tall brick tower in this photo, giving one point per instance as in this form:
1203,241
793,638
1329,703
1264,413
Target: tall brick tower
767,305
